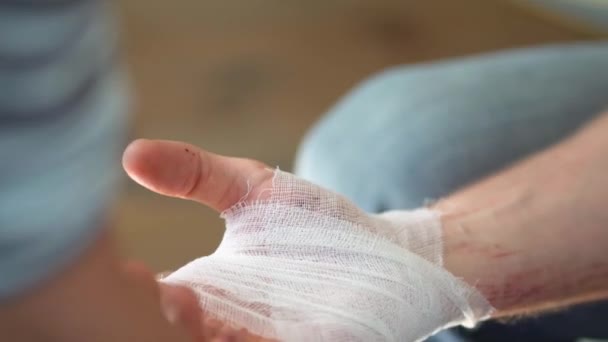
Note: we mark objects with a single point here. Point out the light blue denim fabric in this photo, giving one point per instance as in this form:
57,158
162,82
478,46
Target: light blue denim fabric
419,132
62,127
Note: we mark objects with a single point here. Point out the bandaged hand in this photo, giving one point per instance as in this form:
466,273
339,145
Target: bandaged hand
300,263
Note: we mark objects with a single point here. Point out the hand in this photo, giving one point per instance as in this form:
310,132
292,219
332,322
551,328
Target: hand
180,306
181,170
298,261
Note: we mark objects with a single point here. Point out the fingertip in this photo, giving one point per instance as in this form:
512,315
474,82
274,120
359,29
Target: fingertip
133,150
141,273
166,167
134,159
138,269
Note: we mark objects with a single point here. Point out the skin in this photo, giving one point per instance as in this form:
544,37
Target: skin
530,238
534,237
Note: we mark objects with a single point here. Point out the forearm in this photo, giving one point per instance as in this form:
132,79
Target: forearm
535,236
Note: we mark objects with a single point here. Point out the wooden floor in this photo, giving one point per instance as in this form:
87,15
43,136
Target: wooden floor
247,77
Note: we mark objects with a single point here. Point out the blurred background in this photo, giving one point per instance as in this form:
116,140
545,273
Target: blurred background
248,77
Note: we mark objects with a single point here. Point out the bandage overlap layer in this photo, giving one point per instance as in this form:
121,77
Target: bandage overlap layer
305,264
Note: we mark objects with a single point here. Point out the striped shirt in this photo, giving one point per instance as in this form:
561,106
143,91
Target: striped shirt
62,128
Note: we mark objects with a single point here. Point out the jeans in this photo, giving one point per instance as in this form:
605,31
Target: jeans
420,132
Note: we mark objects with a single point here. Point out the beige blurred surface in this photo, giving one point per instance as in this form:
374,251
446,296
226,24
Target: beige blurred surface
247,77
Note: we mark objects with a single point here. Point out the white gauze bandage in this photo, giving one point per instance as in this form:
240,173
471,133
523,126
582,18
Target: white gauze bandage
305,264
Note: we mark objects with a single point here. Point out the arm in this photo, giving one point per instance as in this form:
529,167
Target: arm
535,236
530,238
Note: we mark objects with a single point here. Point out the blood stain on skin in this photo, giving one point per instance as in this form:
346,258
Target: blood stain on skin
502,254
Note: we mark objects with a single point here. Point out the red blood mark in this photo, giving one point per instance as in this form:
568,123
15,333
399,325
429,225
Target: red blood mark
596,274
493,251
504,254
509,294
516,288
531,292
526,275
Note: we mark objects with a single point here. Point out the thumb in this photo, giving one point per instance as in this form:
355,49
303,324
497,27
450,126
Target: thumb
182,170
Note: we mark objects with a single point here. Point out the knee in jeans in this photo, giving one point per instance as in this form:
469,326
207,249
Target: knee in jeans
341,152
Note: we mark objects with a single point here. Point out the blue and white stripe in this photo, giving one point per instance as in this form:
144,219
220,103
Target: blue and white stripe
62,124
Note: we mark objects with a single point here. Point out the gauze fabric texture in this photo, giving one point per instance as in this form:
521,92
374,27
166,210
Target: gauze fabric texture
304,264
